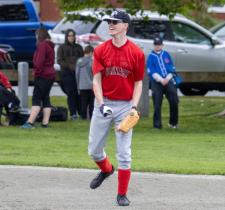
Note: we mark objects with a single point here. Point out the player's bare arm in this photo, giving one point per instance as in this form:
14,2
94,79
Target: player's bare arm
137,92
97,88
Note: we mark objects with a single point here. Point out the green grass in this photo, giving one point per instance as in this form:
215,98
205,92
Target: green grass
197,147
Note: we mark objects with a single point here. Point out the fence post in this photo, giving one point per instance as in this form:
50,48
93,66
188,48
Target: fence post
23,72
144,100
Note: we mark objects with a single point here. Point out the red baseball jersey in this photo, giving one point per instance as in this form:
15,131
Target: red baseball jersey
120,68
4,81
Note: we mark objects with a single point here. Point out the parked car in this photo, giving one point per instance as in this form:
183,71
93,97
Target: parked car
197,53
85,30
18,22
219,30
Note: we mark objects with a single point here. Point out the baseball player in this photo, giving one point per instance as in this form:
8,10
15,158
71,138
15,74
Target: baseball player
118,70
160,69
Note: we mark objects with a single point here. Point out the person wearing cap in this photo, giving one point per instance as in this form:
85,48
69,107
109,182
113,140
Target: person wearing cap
160,70
118,69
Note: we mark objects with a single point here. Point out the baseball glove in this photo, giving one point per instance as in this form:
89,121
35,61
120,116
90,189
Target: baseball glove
129,122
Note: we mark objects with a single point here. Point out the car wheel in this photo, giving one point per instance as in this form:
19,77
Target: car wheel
188,91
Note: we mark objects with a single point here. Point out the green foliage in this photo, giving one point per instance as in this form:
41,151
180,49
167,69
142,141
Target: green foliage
194,9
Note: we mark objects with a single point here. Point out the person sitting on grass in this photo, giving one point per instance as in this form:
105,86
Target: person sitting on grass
8,99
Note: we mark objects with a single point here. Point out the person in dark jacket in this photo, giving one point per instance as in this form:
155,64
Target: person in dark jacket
8,98
44,76
67,56
84,78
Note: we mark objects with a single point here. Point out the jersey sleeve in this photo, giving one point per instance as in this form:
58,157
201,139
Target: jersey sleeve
171,67
151,65
139,67
97,64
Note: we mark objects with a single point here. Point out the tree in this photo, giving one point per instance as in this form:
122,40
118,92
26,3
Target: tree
194,9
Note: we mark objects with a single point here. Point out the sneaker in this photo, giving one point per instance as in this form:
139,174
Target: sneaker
27,125
157,127
97,181
172,126
44,125
73,117
122,200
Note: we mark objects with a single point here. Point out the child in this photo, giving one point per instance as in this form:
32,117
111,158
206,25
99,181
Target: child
84,79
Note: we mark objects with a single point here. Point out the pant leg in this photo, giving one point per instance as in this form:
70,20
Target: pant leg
91,98
42,88
99,129
7,97
123,140
46,93
69,86
37,93
157,96
84,103
172,97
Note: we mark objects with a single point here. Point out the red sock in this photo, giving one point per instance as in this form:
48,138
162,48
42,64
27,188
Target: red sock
123,180
105,165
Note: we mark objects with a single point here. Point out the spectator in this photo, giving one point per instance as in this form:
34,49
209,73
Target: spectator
44,76
8,97
68,53
5,60
84,82
160,69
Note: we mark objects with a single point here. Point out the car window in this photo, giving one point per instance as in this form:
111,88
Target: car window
187,34
13,12
80,26
220,32
148,29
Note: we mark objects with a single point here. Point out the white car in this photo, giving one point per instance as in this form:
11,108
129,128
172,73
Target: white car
85,30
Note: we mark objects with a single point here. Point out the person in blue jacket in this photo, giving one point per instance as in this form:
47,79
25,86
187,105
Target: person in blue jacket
160,70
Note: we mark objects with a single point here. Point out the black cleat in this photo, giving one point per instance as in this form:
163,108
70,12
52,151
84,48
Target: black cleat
122,200
97,181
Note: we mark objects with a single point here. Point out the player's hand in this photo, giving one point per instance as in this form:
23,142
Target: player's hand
165,82
105,110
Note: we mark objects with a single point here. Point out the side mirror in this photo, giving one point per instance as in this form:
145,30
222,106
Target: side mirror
215,41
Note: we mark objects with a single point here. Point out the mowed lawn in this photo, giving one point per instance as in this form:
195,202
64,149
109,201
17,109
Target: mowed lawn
196,147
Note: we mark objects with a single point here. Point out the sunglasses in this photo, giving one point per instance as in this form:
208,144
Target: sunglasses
114,22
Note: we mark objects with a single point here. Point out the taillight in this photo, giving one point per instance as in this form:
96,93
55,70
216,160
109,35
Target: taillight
89,38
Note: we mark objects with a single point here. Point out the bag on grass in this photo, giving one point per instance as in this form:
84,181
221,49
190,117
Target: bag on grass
58,113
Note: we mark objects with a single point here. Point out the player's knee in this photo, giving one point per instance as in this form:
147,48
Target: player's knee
96,156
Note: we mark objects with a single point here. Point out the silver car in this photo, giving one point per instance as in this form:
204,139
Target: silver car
219,30
197,54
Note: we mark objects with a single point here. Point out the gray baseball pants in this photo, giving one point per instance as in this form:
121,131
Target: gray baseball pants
100,127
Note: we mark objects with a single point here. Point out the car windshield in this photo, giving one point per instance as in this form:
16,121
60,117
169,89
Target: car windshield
220,32
187,34
81,27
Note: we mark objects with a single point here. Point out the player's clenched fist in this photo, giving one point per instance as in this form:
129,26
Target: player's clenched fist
105,110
